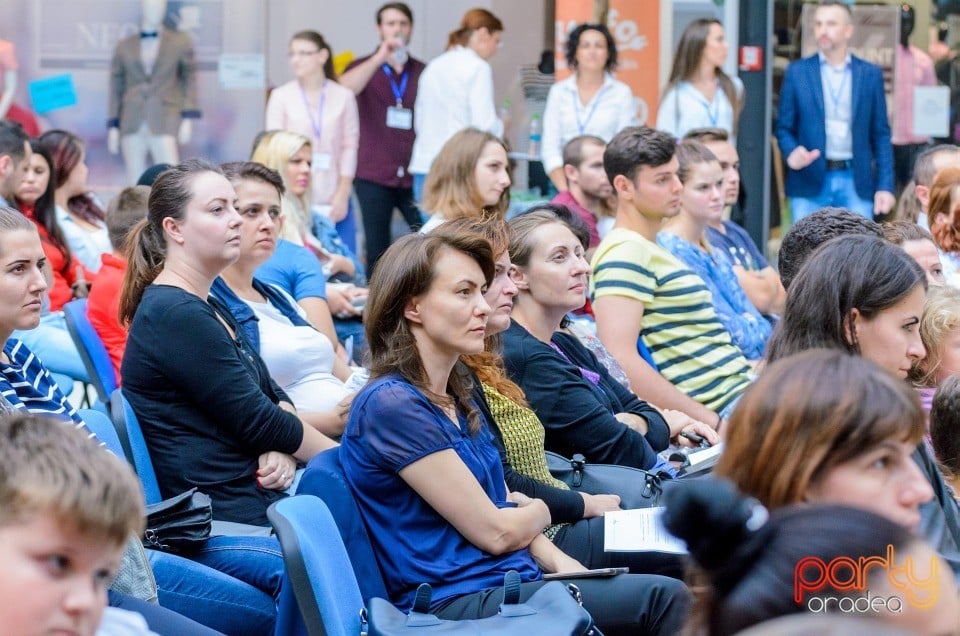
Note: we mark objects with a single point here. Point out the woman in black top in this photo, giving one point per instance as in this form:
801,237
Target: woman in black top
212,416
582,408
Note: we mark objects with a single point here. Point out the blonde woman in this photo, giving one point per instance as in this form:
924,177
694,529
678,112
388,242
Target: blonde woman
330,307
940,333
468,179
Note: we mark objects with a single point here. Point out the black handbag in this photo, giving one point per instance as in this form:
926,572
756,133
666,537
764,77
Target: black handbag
180,523
637,488
554,609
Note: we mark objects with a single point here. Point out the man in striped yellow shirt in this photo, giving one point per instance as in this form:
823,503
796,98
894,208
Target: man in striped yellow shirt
641,291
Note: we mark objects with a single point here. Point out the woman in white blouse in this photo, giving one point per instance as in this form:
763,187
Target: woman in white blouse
78,213
699,94
456,91
589,102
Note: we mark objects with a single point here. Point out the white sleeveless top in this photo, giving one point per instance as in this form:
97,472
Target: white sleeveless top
300,360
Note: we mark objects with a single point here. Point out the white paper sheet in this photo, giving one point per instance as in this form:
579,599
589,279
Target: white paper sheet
931,111
639,531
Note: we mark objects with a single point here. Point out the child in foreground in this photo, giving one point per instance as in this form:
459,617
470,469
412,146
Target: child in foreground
67,508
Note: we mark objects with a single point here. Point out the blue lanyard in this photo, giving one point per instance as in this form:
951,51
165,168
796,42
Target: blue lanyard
575,95
835,96
318,124
398,89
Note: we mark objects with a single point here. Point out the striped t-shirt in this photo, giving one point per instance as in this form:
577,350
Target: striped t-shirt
27,385
680,327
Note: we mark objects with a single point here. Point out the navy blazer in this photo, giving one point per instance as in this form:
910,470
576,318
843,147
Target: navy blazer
802,122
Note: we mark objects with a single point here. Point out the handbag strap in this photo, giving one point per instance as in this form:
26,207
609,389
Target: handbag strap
511,588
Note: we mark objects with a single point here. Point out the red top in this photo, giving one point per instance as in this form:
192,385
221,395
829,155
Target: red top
63,277
103,306
565,198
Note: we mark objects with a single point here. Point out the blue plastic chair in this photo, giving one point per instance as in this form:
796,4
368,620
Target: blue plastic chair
645,354
93,353
318,570
101,426
134,445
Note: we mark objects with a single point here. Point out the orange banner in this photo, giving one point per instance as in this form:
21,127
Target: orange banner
635,26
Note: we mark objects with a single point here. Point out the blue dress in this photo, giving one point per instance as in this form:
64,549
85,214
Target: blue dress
392,425
747,326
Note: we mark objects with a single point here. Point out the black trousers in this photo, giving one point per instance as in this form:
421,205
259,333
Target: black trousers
583,541
622,604
376,206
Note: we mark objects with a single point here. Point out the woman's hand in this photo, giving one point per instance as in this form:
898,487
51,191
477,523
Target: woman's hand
677,421
339,206
339,263
338,298
596,505
276,470
701,429
633,421
552,559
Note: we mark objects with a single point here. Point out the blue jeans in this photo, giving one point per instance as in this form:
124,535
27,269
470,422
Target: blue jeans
418,181
347,228
838,191
257,561
51,342
210,597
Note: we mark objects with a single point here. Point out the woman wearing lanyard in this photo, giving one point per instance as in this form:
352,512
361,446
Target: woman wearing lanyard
590,102
316,106
700,94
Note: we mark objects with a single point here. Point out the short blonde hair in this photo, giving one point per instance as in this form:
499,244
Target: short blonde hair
451,185
52,467
274,151
941,316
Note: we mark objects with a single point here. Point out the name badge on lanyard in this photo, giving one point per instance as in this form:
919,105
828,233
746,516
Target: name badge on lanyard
397,116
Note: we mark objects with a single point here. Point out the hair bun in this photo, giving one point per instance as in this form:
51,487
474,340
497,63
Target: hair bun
719,525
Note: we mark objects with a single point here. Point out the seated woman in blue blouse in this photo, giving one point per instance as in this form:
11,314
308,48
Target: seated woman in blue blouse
685,236
583,409
422,463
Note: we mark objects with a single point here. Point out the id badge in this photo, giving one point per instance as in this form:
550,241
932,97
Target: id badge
401,118
322,161
838,129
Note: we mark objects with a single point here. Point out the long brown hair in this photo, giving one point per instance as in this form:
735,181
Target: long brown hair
408,269
808,413
687,58
943,213
147,245
66,151
473,20
487,365
451,185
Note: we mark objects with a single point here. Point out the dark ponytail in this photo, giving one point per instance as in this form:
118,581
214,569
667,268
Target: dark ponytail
147,245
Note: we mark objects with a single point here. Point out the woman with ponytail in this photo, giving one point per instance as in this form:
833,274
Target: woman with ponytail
456,91
752,560
211,414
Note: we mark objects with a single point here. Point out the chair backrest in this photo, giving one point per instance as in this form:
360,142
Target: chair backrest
127,427
324,478
317,568
101,426
93,353
645,354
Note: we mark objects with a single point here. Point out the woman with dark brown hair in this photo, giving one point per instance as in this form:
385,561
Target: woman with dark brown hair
456,92
700,94
422,464
78,213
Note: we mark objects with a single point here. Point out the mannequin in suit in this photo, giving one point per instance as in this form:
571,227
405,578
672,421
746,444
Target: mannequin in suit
153,93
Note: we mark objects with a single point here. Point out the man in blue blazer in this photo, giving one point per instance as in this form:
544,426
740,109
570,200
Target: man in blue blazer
833,126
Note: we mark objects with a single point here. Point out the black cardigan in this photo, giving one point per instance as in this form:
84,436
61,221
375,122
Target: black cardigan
577,415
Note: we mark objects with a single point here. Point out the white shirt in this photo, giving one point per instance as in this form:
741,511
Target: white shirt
455,92
837,84
299,358
85,246
565,117
684,108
